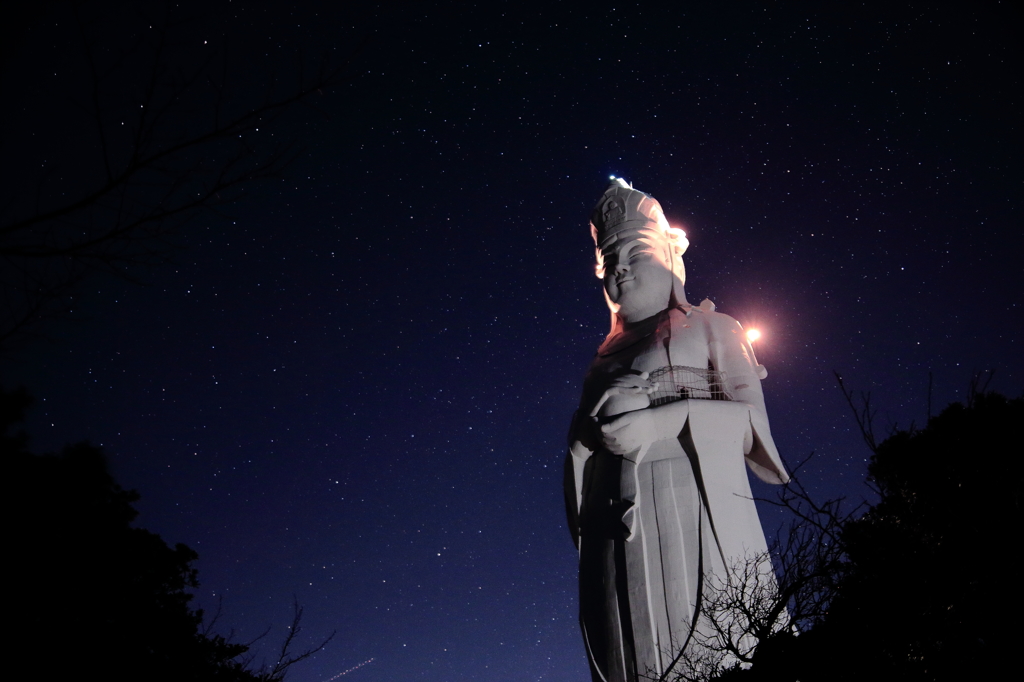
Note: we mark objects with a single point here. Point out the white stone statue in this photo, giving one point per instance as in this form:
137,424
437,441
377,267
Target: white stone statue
658,498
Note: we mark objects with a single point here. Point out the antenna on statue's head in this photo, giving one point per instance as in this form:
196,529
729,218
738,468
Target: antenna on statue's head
619,182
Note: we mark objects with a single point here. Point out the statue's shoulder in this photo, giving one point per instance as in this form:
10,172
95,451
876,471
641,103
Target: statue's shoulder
717,323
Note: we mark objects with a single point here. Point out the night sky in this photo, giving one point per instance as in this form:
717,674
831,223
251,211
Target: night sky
356,388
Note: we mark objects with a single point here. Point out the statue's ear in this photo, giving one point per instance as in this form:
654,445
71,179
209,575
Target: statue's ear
613,308
678,296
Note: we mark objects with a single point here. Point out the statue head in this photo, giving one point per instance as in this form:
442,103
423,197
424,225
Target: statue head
639,255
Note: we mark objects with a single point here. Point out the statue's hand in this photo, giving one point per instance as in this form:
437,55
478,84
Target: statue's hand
628,385
637,430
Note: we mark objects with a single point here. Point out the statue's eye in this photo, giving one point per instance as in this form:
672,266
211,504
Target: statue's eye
635,252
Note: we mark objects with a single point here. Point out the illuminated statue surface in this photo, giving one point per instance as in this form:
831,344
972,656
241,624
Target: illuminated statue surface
657,493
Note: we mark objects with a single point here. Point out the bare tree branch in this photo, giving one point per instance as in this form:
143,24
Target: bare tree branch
286,659
784,591
175,137
864,415
978,386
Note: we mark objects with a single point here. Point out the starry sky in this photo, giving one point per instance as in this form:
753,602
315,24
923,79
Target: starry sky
355,388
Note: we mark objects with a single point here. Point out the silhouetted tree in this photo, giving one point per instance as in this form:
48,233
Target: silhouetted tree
931,561
927,587
89,593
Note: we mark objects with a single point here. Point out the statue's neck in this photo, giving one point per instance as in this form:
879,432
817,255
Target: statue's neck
624,334
641,325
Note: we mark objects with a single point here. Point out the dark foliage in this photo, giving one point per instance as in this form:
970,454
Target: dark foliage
929,586
933,572
88,592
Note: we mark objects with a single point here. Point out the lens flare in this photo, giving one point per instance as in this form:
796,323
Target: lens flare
753,335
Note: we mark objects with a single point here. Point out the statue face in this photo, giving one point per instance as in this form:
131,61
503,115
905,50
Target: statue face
637,274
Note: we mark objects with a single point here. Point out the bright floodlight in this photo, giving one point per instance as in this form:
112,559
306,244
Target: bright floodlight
753,335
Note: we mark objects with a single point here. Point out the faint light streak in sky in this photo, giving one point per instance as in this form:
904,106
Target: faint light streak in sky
346,672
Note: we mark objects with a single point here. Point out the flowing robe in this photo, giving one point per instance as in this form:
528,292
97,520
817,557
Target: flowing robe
649,533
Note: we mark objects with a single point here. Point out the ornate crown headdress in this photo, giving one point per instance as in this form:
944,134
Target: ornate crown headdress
623,208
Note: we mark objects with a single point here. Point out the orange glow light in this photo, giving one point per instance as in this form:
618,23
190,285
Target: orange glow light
753,335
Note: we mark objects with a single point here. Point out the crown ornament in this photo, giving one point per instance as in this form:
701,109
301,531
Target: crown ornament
623,208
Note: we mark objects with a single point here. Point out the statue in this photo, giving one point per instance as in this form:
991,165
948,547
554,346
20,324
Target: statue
657,495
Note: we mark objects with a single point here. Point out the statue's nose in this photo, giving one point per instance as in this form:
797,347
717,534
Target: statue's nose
621,267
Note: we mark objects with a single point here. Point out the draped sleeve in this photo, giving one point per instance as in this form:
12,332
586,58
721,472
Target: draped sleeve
731,353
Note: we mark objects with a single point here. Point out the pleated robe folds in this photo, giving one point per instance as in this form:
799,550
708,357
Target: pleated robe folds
649,534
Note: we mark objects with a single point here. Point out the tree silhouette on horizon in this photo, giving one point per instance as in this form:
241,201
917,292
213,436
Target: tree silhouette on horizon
90,592
927,587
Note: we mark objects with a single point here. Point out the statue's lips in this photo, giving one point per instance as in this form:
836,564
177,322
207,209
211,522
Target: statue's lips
622,281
